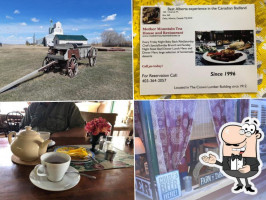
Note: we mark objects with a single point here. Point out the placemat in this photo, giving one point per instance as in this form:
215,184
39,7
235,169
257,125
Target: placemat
121,160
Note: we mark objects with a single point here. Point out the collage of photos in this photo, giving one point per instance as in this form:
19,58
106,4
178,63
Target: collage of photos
133,100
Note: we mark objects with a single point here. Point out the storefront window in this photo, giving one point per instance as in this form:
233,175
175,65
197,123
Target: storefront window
258,110
183,130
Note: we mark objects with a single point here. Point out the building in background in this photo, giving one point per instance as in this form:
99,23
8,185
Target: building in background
66,39
54,30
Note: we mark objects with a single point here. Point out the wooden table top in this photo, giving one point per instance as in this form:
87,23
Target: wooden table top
110,184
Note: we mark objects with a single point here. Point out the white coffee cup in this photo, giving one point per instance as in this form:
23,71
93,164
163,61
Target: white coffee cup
44,135
53,165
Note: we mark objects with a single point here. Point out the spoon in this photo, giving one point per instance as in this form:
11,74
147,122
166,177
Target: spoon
89,176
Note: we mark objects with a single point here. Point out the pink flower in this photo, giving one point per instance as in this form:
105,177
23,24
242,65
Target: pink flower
98,125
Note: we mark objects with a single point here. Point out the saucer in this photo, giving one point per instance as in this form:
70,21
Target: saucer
69,181
52,143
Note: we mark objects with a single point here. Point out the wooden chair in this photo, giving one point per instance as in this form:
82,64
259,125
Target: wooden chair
110,117
13,120
3,125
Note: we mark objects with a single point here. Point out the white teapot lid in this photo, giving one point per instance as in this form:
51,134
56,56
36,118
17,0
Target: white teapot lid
28,131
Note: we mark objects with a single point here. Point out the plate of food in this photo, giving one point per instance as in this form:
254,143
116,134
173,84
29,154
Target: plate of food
240,46
205,48
77,153
226,56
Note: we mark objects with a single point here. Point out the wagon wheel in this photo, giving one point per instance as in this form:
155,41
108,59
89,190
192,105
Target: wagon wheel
46,61
92,57
72,67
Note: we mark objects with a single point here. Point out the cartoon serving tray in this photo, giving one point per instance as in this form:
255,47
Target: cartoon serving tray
239,154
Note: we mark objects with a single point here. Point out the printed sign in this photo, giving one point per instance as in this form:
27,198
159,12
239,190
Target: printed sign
197,49
143,187
209,178
168,185
239,154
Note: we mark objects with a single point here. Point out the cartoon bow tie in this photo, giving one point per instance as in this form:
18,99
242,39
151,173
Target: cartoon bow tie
233,157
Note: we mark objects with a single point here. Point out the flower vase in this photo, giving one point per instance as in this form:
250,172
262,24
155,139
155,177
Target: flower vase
95,140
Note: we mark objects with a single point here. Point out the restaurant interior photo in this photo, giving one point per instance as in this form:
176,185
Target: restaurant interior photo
67,150
170,135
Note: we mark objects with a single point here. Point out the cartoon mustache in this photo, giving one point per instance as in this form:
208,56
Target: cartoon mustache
236,145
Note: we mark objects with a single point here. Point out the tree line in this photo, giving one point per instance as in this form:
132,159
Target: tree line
114,39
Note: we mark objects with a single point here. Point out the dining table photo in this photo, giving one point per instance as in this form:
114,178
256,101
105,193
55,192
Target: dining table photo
96,178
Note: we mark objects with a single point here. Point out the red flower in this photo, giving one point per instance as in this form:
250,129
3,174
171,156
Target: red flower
98,125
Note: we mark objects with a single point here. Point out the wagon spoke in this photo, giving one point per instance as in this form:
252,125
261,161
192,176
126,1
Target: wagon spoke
72,67
46,61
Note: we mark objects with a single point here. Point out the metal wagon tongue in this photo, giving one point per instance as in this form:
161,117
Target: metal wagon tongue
25,78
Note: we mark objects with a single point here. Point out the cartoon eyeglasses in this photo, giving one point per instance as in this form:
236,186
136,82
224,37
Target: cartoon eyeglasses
248,129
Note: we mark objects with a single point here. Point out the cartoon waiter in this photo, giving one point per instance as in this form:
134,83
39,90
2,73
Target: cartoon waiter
239,150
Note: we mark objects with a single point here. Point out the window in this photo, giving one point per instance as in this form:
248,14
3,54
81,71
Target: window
202,124
6,107
258,110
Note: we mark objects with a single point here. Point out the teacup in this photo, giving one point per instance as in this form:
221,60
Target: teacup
44,135
53,165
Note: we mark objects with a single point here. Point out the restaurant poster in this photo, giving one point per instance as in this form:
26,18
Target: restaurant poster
208,178
168,185
143,187
197,49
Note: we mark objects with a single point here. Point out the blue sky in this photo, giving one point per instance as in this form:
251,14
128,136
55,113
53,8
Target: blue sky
20,19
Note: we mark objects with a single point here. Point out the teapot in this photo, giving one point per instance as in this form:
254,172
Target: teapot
28,144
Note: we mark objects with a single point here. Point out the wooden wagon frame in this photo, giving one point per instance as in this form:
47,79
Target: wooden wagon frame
65,58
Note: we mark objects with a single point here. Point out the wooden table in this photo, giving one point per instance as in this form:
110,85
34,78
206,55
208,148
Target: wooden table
110,184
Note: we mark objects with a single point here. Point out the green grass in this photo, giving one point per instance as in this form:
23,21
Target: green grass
110,78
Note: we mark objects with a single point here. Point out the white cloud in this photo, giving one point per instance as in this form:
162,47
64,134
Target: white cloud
109,29
9,17
129,37
127,29
105,25
17,28
123,33
130,22
41,27
28,38
13,39
16,11
96,38
75,29
110,18
35,19
23,24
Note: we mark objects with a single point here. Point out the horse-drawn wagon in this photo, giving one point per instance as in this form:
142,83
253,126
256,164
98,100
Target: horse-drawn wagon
65,57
